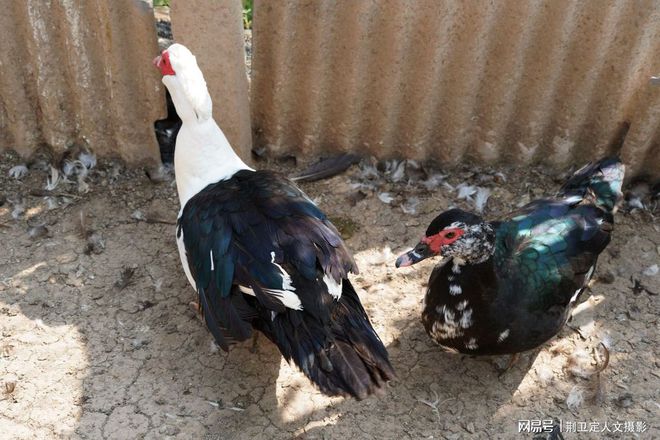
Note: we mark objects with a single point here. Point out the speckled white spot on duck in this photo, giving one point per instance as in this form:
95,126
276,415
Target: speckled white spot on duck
455,289
466,319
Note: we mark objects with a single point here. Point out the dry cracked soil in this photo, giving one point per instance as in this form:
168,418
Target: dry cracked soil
99,340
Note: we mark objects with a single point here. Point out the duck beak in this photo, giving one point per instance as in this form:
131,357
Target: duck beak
417,254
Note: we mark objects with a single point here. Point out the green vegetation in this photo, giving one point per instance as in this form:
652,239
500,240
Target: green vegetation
162,2
247,13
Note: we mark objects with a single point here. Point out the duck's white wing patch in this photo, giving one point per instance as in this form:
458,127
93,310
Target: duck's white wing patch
287,294
334,288
247,290
184,259
286,278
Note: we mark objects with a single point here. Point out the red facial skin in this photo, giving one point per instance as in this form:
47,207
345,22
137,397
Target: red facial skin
163,64
442,238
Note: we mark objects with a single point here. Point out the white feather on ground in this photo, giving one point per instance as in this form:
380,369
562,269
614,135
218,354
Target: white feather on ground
53,179
481,198
138,215
51,203
395,170
88,159
19,209
18,172
368,171
465,191
578,364
433,181
651,271
385,197
575,398
377,257
545,374
410,206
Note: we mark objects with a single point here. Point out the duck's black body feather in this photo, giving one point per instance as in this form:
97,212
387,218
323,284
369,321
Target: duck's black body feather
542,259
263,256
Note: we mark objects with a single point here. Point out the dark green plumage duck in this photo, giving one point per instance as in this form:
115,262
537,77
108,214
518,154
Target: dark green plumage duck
507,286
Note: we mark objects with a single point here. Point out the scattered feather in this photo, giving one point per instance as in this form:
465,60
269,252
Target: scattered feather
562,346
157,284
37,232
410,206
53,179
213,346
327,168
18,172
138,343
72,168
83,187
144,305
395,170
356,196
115,172
481,198
651,271
578,364
138,215
500,177
88,159
125,277
434,181
10,384
51,203
368,171
545,374
160,174
465,191
385,197
95,244
379,257
624,401
635,203
19,209
575,398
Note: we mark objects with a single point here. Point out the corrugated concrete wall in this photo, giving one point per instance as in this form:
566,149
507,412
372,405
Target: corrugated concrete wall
75,71
526,81
213,31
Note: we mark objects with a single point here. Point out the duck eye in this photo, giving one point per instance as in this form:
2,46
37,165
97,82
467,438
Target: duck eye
450,235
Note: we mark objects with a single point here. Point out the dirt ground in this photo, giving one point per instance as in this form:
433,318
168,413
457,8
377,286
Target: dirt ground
99,339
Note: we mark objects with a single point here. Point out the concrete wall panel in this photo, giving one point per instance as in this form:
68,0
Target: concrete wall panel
79,71
537,81
213,31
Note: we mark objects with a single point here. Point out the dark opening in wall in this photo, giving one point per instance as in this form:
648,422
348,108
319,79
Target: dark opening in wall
166,131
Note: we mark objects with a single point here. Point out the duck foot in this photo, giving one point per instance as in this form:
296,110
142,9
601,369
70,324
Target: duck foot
514,358
255,339
197,308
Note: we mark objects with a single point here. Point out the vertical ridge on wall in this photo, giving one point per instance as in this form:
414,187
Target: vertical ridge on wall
213,31
539,81
79,72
